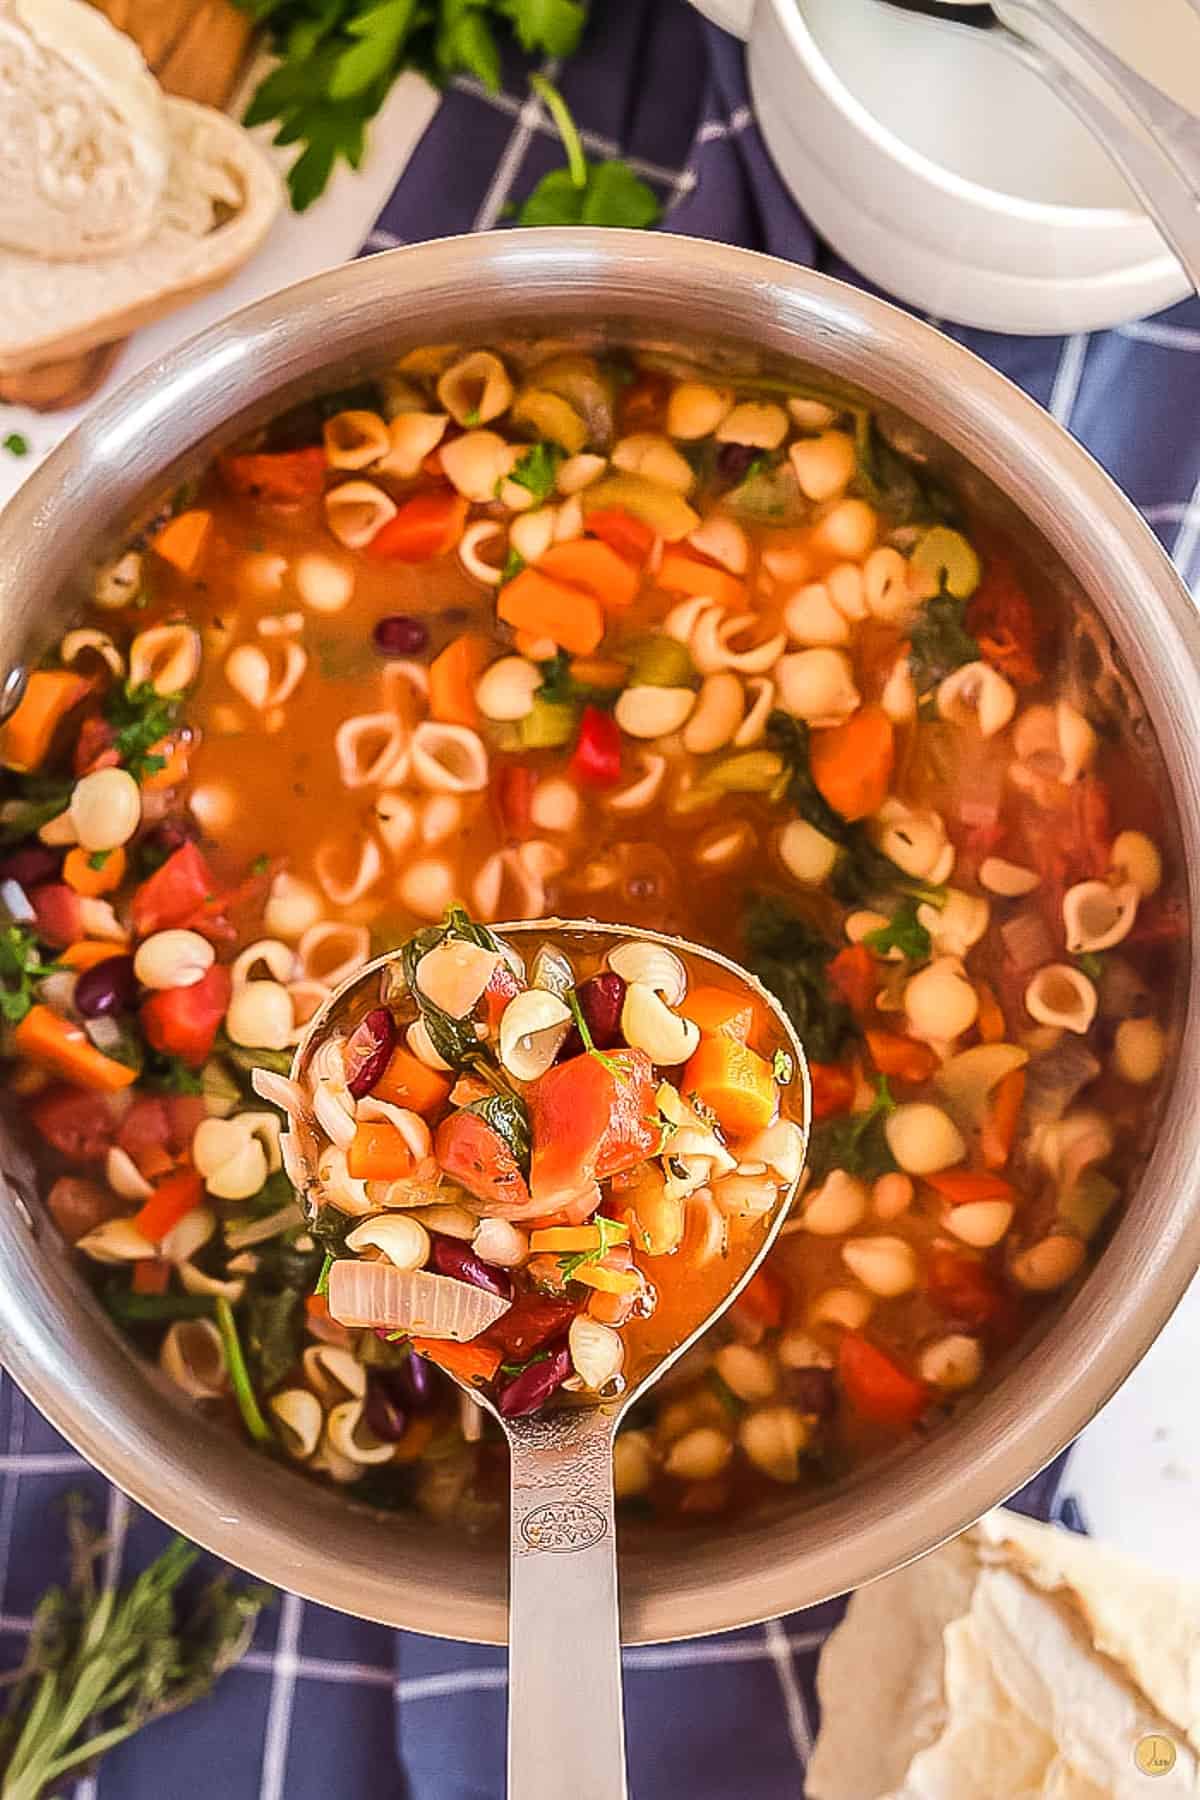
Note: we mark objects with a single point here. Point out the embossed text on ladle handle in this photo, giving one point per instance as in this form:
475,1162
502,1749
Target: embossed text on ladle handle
566,1732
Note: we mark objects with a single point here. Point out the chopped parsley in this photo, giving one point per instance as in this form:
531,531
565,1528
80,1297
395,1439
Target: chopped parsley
322,1286
168,1075
903,932
141,718
789,957
1091,964
98,858
514,562
606,1062
610,1234
519,1368
783,1067
260,865
16,444
538,469
21,968
585,193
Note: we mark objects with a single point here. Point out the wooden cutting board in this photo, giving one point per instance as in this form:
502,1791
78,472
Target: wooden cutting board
197,49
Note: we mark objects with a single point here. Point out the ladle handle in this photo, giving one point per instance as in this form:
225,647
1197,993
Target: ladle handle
566,1732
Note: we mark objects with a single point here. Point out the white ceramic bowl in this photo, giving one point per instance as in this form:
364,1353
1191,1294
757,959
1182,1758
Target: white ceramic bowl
945,171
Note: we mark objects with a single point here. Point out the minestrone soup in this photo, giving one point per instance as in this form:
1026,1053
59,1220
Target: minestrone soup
594,636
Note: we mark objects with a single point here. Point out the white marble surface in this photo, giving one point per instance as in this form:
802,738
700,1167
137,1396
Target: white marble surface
1136,1469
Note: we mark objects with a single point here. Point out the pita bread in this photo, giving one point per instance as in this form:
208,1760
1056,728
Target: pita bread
220,200
84,140
980,1674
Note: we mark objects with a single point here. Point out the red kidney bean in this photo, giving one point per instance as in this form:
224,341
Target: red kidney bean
417,1383
530,1390
171,835
531,1322
383,1411
107,988
450,1256
601,998
811,1390
733,462
398,635
369,1051
32,863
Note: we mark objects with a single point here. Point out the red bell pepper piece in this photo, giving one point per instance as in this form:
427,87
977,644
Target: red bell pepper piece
596,759
172,1200
852,974
833,1089
876,1387
184,1021
428,525
628,536
173,894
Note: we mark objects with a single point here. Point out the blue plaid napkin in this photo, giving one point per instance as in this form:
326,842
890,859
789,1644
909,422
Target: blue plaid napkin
326,1706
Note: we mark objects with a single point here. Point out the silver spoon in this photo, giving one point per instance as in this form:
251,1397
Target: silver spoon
565,1714
1166,179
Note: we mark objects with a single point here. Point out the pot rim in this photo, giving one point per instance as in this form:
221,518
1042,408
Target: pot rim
69,1359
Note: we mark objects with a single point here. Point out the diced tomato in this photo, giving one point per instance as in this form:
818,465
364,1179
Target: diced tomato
833,1089
477,1157
146,1126
428,525
184,1021
628,536
876,1387
185,1112
591,1120
596,759
641,404
513,787
283,475
961,1289
1160,921
1002,621
77,1206
852,975
531,1321
80,1125
173,894
904,1057
93,746
966,1187
764,1299
502,988
56,909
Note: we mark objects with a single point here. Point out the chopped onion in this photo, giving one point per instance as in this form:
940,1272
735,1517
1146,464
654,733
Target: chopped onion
258,1231
435,1306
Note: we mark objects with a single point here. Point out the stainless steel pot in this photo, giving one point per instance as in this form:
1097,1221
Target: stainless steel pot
54,1339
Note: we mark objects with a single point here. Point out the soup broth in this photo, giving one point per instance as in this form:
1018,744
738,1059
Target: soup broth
591,636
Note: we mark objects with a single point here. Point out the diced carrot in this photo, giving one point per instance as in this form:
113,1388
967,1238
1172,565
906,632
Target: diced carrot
680,573
378,1153
533,602
79,874
608,1280
764,1299
992,1028
598,671
153,1161
279,475
452,677
151,1276
963,1187
418,1435
426,526
735,1081
176,754
316,1306
895,1054
833,1089
54,1043
717,1009
172,1200
852,973
182,539
876,1387
408,1082
579,1237
469,1362
623,533
1000,1120
87,953
27,738
852,763
589,564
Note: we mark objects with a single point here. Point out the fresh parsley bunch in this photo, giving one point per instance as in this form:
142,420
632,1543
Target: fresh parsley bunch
339,59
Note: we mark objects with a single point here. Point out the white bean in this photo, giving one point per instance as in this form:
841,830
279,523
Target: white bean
824,465
939,1001
838,1205
748,1373
848,529
506,689
923,1139
953,1362
892,1195
633,1464
774,1437
1135,858
1139,1050
1049,1264
105,809
886,1266
759,423
698,1455
555,804
806,853
694,410
980,1223
848,1308
172,959
653,712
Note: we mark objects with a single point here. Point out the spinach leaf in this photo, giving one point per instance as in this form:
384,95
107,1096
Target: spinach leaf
165,1074
790,957
329,1227
789,738
855,1142
453,1039
274,1334
939,642
903,932
901,488
21,968
610,1234
509,1119
40,799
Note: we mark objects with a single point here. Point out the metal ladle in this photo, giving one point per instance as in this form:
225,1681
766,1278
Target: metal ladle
565,1716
